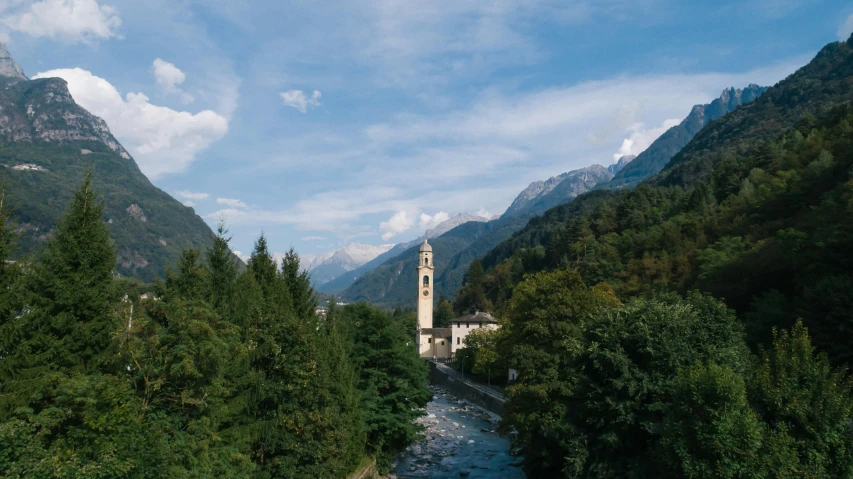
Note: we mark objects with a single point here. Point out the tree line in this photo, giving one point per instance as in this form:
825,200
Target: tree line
213,372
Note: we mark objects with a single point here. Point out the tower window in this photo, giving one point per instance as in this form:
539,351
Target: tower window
426,260
426,280
458,340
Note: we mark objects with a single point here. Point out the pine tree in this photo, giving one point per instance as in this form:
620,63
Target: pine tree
299,285
69,321
222,271
8,271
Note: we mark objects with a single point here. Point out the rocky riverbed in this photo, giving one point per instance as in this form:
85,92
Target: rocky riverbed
460,441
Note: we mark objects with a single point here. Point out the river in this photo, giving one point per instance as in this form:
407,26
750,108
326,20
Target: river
459,442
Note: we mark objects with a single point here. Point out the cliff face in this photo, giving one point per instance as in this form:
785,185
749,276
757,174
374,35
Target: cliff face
539,196
8,66
44,110
48,142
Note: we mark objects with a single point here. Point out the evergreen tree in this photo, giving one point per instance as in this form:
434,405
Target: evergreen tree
222,271
298,285
262,267
443,313
69,320
8,275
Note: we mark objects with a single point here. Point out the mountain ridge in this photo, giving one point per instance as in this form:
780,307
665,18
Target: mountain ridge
48,143
653,159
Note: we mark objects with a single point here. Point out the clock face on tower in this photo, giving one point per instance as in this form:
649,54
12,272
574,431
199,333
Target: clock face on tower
426,293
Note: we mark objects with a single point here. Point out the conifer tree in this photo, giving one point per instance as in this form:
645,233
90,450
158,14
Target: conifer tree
222,270
69,321
298,284
8,271
262,267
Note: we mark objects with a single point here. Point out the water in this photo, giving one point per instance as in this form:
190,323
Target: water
460,442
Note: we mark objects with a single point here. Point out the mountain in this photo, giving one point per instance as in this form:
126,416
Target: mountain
330,265
343,280
621,163
754,210
449,224
392,283
780,107
657,155
542,195
48,142
8,66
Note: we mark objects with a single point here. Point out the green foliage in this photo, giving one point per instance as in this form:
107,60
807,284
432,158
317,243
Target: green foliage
220,374
472,296
443,313
392,379
800,395
712,432
481,353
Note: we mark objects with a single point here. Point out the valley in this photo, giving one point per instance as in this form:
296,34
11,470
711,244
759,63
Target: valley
438,240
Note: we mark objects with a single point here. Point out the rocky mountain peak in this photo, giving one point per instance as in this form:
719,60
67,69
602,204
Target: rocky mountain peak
8,66
449,224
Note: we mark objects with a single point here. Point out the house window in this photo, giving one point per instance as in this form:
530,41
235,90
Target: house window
442,343
426,280
458,340
481,324
429,340
467,325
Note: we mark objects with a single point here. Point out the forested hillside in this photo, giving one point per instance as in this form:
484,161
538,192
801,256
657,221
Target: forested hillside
211,372
695,326
392,283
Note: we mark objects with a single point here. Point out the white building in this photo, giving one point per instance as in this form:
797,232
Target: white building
441,343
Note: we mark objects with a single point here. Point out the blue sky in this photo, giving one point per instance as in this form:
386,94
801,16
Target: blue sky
322,123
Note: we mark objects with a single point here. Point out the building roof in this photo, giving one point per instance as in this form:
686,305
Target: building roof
425,246
479,316
443,333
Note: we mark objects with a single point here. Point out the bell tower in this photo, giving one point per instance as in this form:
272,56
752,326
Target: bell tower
425,298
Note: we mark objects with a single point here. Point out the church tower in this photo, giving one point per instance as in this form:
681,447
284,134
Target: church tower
425,272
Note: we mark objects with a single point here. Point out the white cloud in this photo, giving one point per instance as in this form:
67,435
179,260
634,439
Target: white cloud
846,28
168,76
395,225
426,221
313,238
242,256
297,99
641,138
486,214
230,202
190,195
189,203
481,155
161,140
72,20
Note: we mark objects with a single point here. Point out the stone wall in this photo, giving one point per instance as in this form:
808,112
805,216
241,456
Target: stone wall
464,389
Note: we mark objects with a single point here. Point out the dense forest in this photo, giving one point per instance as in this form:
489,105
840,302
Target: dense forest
696,326
211,373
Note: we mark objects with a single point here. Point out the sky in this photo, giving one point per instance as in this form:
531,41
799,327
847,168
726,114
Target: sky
322,123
